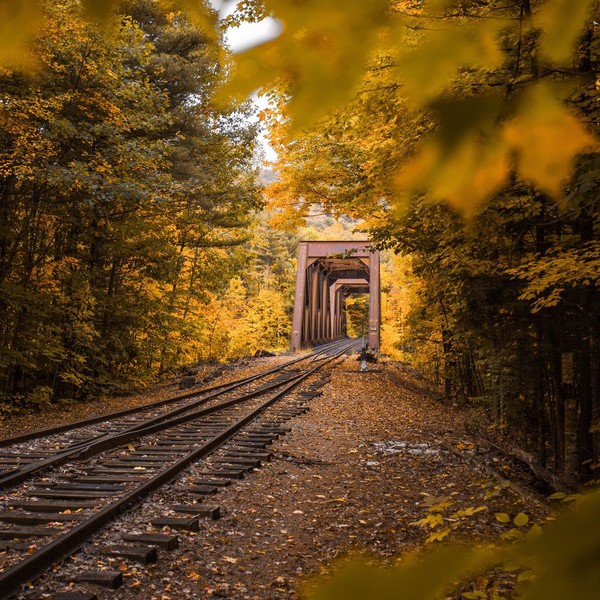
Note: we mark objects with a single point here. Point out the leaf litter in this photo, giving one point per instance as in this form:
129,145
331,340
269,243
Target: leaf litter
376,484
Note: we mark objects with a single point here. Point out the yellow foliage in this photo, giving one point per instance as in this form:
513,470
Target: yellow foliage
465,178
321,52
430,68
19,22
546,138
558,563
196,11
465,168
100,11
396,303
325,46
562,21
462,57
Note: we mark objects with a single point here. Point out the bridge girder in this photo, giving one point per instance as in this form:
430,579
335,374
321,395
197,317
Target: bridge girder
327,273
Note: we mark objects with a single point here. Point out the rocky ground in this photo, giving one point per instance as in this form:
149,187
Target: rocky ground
377,453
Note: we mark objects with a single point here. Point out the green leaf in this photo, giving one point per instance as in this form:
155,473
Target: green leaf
502,517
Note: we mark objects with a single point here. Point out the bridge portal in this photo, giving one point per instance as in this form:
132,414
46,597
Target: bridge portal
329,272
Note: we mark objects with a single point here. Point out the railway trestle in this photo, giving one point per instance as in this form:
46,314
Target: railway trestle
329,272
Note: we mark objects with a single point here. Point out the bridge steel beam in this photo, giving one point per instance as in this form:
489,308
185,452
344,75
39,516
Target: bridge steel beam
327,272
300,304
374,301
337,292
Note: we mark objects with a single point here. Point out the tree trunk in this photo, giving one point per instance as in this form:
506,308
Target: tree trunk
594,388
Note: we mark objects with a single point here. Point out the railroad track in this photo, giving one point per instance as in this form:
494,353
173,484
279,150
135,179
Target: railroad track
34,452
62,486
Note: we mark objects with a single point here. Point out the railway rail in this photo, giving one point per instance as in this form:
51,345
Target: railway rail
62,486
23,459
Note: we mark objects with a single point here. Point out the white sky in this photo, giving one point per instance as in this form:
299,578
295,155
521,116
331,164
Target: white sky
244,37
249,34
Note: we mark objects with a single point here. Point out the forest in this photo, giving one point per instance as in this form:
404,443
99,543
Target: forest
140,234
477,171
134,238
141,231
129,209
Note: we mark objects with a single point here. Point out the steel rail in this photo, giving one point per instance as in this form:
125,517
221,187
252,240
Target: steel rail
39,433
122,438
35,564
105,440
108,442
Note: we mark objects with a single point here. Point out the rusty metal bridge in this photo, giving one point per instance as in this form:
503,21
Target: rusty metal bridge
329,272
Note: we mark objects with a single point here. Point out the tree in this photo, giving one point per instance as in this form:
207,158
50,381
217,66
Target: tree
507,296
493,106
213,177
74,165
125,192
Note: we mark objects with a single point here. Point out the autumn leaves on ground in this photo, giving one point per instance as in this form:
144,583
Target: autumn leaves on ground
378,469
141,233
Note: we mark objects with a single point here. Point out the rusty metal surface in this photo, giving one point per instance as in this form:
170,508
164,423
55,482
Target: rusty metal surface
297,323
374,301
327,273
324,249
